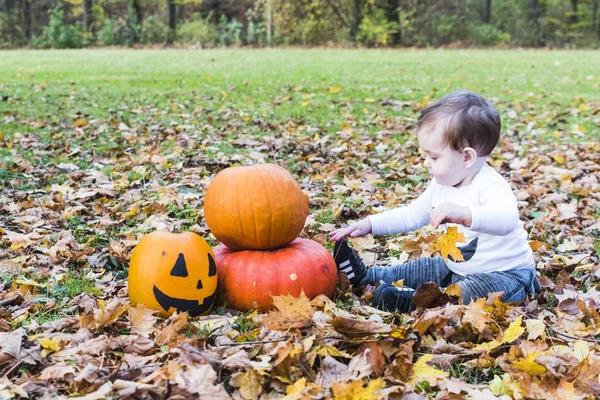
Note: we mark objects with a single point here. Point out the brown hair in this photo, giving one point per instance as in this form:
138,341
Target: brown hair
470,121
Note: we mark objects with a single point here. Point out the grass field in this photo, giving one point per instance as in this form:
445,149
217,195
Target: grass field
321,85
44,92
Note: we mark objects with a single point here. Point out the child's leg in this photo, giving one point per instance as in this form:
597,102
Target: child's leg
516,285
414,274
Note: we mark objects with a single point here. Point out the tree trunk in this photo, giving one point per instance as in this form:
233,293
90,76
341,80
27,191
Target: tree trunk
269,21
172,15
486,16
596,18
574,18
355,18
137,10
393,12
181,12
87,14
27,19
534,15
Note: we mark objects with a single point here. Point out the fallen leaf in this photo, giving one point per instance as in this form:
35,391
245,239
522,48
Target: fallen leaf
292,312
424,372
356,390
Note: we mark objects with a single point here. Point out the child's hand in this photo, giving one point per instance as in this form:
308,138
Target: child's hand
448,212
357,229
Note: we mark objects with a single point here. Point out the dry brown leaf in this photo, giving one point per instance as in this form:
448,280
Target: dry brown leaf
249,384
142,320
352,327
476,316
291,312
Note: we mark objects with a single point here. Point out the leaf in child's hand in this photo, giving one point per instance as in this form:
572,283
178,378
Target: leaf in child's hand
446,244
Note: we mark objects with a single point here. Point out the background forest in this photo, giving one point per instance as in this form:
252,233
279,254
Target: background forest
372,23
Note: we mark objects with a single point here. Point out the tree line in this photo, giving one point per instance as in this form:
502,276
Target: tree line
212,23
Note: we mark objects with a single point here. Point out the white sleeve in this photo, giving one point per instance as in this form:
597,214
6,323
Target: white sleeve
405,218
498,213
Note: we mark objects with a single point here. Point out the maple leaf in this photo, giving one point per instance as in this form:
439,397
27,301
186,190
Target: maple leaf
476,316
292,312
446,244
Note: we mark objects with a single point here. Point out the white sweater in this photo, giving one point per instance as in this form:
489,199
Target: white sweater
501,243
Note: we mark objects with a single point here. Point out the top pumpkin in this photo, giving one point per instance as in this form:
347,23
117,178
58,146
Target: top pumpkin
255,208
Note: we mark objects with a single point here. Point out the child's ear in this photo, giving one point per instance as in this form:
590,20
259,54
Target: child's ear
469,156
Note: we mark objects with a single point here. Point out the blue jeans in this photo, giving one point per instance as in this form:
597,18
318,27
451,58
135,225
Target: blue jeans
516,284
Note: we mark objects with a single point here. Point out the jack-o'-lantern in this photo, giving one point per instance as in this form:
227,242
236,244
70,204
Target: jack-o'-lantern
173,272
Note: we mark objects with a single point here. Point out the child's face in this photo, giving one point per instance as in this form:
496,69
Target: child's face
445,164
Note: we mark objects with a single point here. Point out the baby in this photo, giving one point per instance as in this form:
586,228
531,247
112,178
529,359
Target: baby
457,134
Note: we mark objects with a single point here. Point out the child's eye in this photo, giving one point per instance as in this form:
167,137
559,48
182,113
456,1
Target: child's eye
433,158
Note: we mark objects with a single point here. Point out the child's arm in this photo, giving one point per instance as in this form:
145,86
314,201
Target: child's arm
357,229
399,220
498,213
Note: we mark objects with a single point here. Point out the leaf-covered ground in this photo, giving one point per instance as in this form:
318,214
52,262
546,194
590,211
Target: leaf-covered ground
98,148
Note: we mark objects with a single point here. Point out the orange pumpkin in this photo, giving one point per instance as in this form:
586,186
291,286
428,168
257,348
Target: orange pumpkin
249,278
173,271
255,207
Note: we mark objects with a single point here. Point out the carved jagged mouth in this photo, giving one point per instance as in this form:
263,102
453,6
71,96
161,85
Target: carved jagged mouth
193,307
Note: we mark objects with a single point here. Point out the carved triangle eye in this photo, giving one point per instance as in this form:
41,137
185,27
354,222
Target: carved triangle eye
180,269
212,267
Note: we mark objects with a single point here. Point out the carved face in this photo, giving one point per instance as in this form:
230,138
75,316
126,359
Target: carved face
173,271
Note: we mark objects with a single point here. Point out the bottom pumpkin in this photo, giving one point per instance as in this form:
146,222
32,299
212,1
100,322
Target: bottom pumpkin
248,278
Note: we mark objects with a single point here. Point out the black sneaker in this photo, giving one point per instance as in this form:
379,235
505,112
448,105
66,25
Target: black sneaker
349,262
391,298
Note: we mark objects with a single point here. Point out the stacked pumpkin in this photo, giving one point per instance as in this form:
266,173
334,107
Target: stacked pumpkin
257,213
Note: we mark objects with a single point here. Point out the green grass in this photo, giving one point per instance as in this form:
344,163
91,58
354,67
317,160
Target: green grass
237,94
52,86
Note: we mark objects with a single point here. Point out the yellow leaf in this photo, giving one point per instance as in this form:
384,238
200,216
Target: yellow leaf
487,346
132,212
530,366
424,372
581,350
446,244
28,282
475,314
335,89
453,290
297,387
51,344
249,382
354,390
535,328
398,333
514,331
332,351
369,100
